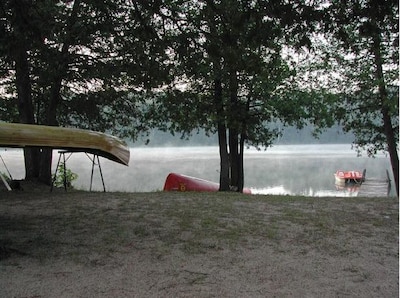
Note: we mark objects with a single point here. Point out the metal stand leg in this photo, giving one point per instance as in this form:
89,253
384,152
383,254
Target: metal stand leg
6,183
55,173
91,176
65,172
9,174
101,173
65,182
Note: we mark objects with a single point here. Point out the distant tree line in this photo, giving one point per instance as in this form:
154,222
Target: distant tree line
289,136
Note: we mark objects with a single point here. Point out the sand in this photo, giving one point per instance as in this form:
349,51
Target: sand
81,244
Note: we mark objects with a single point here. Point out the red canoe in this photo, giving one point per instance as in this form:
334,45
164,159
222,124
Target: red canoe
179,182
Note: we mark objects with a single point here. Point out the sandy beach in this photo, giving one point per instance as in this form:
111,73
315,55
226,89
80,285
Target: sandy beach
81,244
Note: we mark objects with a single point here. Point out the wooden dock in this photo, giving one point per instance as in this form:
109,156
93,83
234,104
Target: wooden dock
375,188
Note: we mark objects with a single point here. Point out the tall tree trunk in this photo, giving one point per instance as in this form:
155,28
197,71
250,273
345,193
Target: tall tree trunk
234,131
243,137
224,180
234,158
385,108
55,96
46,155
24,88
392,148
241,163
25,109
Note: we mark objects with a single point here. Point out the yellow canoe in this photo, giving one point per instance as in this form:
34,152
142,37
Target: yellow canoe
71,139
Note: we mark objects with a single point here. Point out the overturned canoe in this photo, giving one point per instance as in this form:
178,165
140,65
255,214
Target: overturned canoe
72,139
179,182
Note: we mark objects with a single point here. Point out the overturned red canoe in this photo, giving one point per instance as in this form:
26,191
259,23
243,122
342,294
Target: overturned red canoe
179,182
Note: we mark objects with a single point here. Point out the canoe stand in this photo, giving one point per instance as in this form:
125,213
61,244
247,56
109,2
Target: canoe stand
95,162
5,182
2,177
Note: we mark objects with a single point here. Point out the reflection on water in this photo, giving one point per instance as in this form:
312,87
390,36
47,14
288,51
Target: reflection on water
285,169
273,190
280,190
308,169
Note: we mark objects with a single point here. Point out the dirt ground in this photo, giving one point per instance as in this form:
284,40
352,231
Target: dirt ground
80,244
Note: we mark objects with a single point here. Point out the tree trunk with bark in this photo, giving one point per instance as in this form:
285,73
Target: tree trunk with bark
385,108
61,69
224,180
234,124
241,163
24,89
243,137
25,109
234,158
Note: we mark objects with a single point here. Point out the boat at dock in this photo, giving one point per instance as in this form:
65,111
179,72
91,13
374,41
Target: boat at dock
355,182
349,177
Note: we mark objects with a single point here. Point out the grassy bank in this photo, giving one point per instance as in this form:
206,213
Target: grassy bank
44,225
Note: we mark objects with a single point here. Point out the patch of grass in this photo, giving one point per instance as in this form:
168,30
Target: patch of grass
140,231
209,223
294,215
57,224
271,232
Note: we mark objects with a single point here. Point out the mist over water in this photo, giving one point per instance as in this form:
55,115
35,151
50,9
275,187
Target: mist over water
283,169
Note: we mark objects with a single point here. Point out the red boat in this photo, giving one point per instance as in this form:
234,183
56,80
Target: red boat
179,182
344,177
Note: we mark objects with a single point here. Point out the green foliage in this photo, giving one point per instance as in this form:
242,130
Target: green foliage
89,61
363,53
364,56
240,44
64,175
186,66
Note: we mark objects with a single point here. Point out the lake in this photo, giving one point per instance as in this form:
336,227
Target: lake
282,169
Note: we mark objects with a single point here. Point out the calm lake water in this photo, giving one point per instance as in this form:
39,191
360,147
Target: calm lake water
283,169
